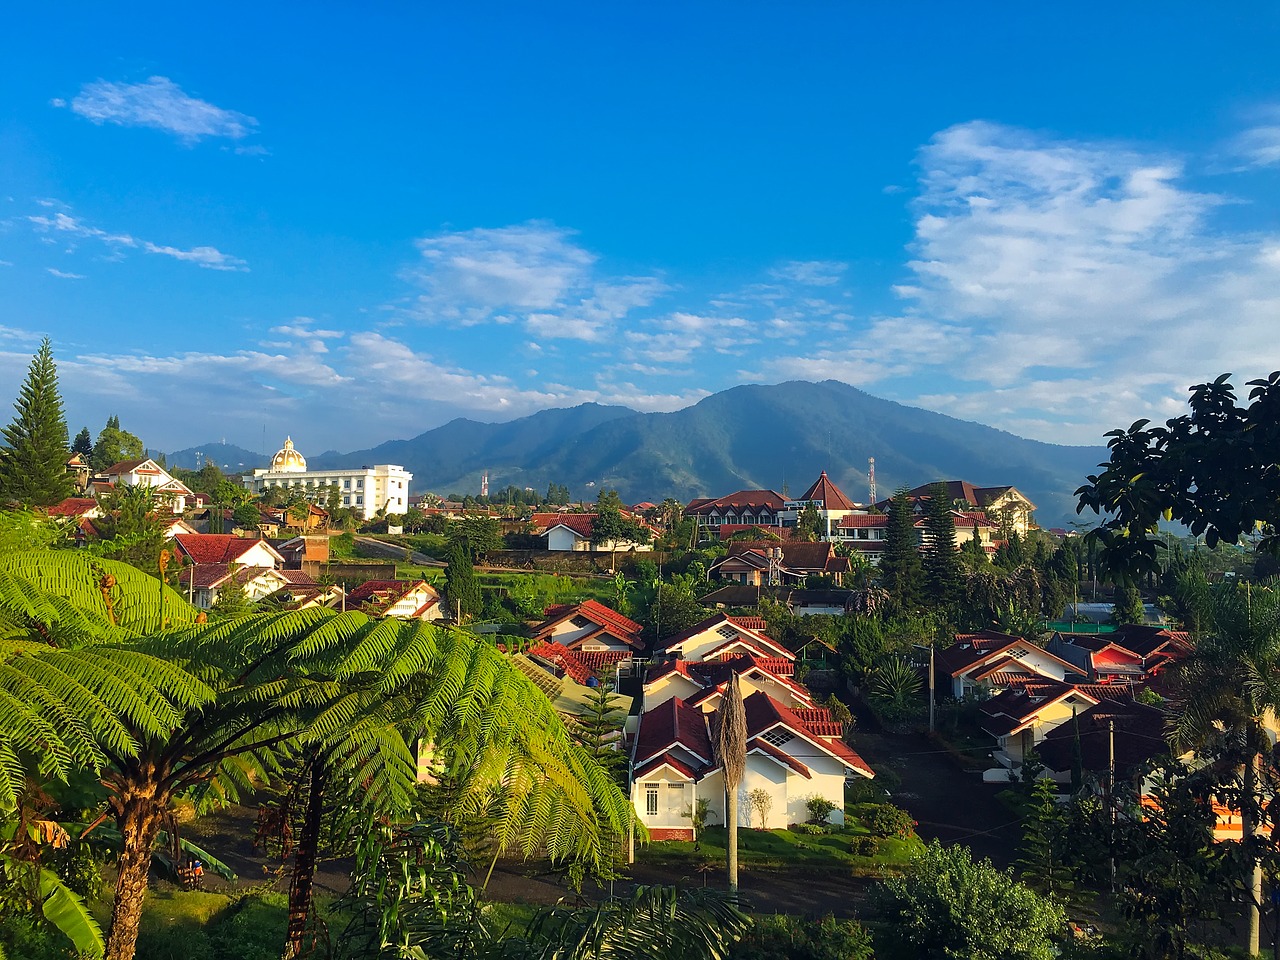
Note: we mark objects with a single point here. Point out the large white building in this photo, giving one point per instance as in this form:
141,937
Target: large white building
366,490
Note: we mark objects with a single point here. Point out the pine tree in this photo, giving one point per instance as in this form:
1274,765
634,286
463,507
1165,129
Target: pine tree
599,729
114,445
83,444
942,575
33,460
901,572
461,587
1044,841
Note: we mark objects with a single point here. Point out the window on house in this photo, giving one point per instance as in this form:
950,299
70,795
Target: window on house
651,799
778,737
359,501
727,631
359,484
346,484
346,501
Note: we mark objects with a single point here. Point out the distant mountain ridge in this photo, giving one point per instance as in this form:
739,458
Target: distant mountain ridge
757,436
228,457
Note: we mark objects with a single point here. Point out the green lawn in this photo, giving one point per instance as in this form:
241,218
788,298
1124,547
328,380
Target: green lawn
774,849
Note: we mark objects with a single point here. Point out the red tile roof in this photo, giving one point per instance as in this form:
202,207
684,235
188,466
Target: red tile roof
858,520
385,592
72,507
580,665
216,547
754,500
764,713
624,628
828,494
669,724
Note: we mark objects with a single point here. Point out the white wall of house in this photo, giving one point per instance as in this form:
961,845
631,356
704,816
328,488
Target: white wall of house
564,539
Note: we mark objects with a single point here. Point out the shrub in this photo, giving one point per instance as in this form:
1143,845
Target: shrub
862,790
864,846
886,820
820,808
809,829
783,937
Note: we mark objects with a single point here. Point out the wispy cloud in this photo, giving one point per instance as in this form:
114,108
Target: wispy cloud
64,275
1259,144
814,273
64,224
534,273
160,104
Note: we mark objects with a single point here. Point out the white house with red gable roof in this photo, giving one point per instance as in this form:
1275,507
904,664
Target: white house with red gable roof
572,532
204,548
791,754
402,599
702,683
722,636
202,584
590,627
988,662
148,473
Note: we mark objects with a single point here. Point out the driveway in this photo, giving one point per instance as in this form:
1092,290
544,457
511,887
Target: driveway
950,805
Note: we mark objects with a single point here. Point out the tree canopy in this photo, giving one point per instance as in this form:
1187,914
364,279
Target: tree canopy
1216,469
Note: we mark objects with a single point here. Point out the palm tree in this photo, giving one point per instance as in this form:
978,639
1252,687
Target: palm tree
731,752
1229,692
116,672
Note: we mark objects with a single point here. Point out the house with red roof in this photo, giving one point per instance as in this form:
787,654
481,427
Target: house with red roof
402,599
75,508
792,754
988,662
702,683
567,532
828,499
148,473
1134,653
1005,505
588,626
202,584
206,548
763,508
721,636
762,563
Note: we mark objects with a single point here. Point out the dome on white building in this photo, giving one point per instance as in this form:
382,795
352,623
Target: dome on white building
288,460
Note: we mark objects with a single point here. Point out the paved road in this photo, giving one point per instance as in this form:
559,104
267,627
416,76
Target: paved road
950,804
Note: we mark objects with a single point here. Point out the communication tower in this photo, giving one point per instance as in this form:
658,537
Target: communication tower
871,480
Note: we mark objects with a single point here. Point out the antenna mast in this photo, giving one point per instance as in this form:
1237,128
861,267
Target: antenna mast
871,479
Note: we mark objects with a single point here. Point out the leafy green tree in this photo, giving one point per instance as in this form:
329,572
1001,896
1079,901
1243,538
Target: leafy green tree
944,584
462,589
232,600
246,516
1212,469
1128,605
130,528
1171,874
948,905
809,524
476,535
33,460
83,444
901,572
114,444
1228,689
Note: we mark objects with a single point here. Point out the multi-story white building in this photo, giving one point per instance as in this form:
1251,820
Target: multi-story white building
366,490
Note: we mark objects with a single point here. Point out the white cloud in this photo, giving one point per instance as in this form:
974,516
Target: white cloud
160,104
813,273
63,223
532,272
1048,259
1259,145
64,274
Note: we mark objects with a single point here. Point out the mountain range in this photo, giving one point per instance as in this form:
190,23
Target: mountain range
777,436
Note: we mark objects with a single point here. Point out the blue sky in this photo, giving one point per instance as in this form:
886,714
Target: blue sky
352,226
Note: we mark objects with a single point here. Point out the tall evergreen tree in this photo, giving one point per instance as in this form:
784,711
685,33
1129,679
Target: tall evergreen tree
461,587
901,572
943,579
598,730
33,460
83,444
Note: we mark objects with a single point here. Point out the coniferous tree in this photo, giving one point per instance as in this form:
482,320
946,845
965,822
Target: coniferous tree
83,444
1043,862
33,460
461,587
599,730
901,572
942,575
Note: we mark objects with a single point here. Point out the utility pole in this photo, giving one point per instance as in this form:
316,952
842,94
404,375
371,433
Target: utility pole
1111,795
933,700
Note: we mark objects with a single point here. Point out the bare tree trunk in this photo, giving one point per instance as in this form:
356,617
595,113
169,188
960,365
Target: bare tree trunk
138,817
1249,830
302,884
731,823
